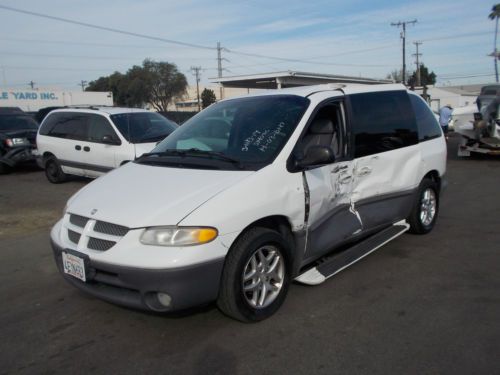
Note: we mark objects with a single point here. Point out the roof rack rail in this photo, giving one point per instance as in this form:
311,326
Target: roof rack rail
88,106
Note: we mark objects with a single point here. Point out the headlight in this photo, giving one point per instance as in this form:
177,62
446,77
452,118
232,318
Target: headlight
178,236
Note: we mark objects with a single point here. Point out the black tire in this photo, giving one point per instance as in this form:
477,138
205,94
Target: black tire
232,300
417,225
53,171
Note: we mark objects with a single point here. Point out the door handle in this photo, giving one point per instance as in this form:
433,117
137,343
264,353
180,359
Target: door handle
86,148
364,171
339,168
78,147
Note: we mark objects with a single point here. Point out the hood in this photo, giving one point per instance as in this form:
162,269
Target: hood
136,195
142,148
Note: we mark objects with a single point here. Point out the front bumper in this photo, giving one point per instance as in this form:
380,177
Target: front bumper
138,288
18,155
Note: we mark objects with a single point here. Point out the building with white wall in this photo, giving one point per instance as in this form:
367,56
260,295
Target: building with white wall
33,100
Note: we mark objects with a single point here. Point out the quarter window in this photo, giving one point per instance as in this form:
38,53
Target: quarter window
428,126
382,121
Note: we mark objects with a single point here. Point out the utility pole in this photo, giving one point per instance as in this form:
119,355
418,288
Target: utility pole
32,84
83,84
417,55
403,37
196,71
219,67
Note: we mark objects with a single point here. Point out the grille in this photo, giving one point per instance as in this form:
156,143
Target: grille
100,245
112,229
77,220
74,236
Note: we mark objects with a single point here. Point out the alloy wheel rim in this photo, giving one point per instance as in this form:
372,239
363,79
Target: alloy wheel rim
428,206
263,277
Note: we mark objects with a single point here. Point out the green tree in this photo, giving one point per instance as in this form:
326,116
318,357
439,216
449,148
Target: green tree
109,83
166,83
426,78
157,83
494,15
207,97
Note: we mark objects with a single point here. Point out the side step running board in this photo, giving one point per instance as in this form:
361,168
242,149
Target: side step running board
338,262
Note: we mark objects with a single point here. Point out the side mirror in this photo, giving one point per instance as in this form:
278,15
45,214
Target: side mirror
478,116
107,139
316,156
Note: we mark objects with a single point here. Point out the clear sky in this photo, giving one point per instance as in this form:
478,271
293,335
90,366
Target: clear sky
349,37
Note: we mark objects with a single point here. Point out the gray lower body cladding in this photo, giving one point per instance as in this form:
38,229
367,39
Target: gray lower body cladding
137,288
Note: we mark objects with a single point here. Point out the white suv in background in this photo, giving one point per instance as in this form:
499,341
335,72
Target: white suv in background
91,141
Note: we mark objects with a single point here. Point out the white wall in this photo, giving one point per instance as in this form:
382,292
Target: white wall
33,100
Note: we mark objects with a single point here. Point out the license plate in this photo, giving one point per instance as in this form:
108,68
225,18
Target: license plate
73,266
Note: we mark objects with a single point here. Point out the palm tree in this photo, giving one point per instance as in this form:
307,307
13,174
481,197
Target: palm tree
494,15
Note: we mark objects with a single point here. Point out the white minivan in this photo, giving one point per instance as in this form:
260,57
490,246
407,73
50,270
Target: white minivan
255,192
90,141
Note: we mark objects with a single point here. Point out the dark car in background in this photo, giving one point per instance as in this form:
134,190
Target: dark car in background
17,138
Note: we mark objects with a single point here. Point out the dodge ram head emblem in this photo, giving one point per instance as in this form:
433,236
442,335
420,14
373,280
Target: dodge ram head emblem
93,211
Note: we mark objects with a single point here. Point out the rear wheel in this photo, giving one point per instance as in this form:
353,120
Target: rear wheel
425,208
53,171
256,276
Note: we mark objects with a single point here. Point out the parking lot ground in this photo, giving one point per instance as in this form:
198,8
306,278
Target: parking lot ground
419,305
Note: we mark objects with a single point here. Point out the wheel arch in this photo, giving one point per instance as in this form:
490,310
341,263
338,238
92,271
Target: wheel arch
434,176
283,226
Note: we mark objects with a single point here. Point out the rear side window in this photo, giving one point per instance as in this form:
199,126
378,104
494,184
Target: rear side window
382,121
428,126
66,125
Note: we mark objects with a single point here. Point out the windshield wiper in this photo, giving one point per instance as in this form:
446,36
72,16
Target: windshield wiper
196,152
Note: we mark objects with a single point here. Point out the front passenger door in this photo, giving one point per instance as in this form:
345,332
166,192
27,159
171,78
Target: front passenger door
101,146
330,220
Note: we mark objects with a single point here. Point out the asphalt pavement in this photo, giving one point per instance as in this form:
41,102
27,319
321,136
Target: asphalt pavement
419,305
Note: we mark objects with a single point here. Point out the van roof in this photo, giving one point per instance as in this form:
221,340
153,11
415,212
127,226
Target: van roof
350,88
93,109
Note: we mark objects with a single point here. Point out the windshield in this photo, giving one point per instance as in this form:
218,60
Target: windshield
143,127
17,122
245,133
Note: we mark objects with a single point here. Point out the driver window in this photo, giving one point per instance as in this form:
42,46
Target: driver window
326,129
99,126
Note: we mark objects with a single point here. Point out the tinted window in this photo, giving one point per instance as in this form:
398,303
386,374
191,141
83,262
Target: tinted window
17,122
382,121
143,127
428,126
99,126
67,125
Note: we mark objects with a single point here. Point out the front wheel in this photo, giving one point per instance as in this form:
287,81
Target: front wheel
256,276
425,208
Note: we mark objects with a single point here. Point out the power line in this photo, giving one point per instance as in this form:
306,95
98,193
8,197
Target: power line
456,36
79,43
14,67
118,31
